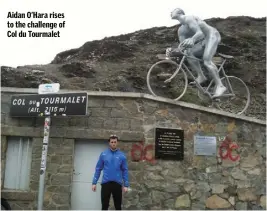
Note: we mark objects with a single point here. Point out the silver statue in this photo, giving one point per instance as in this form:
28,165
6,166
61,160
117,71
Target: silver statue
202,41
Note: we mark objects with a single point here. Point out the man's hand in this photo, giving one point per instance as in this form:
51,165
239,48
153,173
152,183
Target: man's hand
188,43
125,189
94,188
168,52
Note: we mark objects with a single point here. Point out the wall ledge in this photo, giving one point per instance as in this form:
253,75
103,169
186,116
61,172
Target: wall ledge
142,96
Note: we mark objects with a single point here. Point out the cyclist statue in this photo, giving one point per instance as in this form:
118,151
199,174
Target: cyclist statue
202,41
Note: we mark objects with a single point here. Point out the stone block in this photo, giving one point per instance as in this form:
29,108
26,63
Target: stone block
11,121
183,201
100,112
58,189
81,121
63,207
169,204
52,167
246,194
119,113
61,198
5,98
66,150
21,205
60,122
241,206
18,195
67,159
95,122
56,159
263,201
238,174
216,202
95,103
250,162
111,103
3,118
110,123
158,196
217,188
65,169
136,124
122,124
5,108
60,179
59,131
34,185
3,147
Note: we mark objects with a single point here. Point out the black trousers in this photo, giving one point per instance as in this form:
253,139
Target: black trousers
107,189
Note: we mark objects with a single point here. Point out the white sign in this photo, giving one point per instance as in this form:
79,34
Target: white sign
205,145
48,88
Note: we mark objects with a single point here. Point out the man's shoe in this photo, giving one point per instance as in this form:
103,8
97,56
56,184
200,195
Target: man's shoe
199,80
219,91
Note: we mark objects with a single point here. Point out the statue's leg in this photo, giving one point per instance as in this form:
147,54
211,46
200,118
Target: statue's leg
210,50
197,50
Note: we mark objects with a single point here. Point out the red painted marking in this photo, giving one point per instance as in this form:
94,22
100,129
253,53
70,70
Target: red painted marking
143,152
229,146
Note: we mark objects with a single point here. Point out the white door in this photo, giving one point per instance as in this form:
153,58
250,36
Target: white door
85,158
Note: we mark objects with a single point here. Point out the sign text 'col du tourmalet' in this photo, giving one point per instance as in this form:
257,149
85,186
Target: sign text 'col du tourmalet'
68,104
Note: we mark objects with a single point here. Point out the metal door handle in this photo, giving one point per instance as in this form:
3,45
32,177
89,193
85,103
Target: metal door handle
76,173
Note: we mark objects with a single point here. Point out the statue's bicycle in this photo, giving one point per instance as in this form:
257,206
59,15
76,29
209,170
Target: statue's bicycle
172,82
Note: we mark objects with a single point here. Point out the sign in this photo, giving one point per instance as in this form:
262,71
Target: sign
67,104
205,145
169,144
48,88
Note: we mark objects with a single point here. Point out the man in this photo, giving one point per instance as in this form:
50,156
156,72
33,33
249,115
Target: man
113,162
202,41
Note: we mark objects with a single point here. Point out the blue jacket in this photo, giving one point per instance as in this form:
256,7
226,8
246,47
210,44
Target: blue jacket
114,166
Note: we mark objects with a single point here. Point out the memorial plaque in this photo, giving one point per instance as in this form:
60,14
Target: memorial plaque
205,145
169,144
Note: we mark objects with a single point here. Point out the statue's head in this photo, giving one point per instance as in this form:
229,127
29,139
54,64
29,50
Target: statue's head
176,13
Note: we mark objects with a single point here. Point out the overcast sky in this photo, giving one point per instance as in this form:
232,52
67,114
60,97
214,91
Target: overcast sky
87,20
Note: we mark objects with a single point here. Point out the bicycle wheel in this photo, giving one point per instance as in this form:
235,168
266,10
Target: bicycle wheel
160,72
240,101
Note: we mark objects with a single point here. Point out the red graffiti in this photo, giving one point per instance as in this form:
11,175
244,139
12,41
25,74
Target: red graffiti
145,152
226,149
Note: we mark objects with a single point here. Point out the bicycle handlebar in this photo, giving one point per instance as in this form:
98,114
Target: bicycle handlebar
183,52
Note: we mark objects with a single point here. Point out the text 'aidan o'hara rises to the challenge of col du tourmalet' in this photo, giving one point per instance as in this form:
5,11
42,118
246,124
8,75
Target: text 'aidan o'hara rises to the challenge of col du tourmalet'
39,23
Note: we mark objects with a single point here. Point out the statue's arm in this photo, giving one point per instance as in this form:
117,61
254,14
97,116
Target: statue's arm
181,34
181,37
193,25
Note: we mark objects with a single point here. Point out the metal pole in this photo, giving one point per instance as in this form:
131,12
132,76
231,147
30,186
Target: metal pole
43,162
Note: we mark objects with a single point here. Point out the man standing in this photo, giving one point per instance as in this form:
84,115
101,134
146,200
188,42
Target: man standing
203,40
113,162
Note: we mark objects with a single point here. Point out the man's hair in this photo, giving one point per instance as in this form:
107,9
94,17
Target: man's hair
180,11
113,137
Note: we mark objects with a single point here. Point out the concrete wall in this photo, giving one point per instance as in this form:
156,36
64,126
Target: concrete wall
197,182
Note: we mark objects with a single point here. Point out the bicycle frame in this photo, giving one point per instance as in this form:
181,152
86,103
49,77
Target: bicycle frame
206,92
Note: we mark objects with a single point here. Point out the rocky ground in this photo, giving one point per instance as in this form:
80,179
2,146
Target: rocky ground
121,63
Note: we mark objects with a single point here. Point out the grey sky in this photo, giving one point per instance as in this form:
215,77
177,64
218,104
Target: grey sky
88,20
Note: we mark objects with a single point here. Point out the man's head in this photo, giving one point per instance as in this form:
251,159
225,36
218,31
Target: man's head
176,13
113,141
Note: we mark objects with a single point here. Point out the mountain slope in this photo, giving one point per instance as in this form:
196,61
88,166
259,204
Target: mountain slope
120,63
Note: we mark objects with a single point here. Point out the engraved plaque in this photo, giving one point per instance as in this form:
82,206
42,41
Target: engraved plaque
169,144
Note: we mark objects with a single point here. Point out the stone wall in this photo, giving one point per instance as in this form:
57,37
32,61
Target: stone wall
197,182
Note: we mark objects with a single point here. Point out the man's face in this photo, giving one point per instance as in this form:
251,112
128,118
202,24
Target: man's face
113,143
175,14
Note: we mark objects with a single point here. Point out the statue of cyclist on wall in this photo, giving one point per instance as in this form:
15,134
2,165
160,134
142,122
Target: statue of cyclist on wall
201,40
